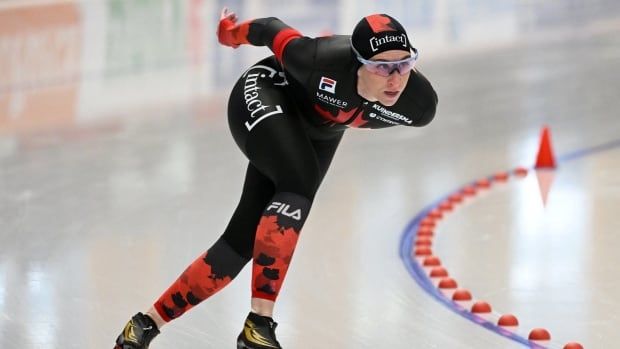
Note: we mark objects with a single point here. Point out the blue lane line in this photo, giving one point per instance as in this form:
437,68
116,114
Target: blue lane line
419,274
589,151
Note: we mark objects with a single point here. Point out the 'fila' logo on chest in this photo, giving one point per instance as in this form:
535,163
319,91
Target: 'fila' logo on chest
328,85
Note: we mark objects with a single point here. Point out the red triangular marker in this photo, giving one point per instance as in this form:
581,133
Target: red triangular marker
545,158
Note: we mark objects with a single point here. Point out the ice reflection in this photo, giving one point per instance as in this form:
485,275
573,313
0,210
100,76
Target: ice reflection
547,247
3,281
43,312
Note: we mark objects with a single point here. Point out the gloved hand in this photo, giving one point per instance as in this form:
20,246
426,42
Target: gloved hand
228,32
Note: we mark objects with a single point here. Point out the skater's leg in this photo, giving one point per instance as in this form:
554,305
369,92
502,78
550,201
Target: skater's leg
324,151
211,271
272,135
214,269
279,228
297,165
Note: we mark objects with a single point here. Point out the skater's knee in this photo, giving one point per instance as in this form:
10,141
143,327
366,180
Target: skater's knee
241,244
303,183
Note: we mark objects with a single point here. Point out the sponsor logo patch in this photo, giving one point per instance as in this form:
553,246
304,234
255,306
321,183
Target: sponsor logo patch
327,84
375,43
391,115
377,117
285,209
331,100
255,106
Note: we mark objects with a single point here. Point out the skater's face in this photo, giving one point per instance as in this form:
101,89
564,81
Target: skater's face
384,76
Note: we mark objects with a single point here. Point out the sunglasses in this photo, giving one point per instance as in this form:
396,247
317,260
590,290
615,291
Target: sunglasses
386,68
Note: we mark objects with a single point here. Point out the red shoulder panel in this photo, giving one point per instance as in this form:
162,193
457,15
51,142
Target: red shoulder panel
282,39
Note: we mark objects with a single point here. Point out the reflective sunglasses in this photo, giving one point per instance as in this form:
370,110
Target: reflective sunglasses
386,68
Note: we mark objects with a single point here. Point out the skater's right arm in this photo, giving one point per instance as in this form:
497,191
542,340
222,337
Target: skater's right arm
269,31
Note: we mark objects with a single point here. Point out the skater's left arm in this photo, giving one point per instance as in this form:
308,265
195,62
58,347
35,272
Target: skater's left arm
419,100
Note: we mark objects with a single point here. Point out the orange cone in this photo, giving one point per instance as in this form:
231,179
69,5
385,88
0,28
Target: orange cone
545,158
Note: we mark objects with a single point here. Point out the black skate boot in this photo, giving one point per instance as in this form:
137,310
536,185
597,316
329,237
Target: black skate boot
258,333
138,333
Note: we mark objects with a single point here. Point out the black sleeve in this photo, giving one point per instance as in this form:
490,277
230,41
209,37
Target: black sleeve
263,31
421,99
280,38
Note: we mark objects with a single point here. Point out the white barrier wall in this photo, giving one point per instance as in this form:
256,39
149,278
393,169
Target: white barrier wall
65,63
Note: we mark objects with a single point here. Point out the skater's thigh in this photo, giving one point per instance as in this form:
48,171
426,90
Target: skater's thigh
268,129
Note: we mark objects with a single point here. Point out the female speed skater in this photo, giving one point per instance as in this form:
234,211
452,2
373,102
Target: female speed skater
288,113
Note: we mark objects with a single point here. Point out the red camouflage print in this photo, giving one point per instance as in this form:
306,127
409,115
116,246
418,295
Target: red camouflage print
273,252
196,284
341,118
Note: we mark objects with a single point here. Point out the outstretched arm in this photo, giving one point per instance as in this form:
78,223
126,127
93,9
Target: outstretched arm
269,32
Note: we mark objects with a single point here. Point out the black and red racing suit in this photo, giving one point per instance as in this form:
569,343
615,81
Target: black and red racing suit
322,77
287,113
